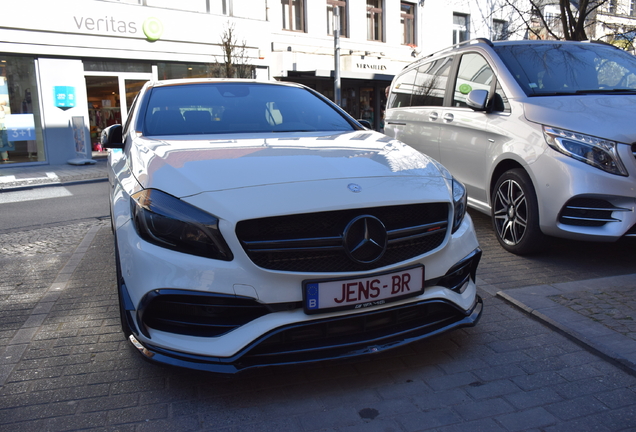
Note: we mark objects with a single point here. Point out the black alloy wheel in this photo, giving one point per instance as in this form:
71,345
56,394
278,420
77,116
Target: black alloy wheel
515,213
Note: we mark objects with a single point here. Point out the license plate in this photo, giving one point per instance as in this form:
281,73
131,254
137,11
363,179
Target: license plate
335,294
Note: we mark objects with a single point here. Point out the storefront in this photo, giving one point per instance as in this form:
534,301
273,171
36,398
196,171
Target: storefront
363,98
364,78
68,72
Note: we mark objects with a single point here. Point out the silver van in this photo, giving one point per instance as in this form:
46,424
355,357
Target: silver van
542,134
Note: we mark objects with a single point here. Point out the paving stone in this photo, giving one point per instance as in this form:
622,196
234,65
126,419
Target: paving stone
508,373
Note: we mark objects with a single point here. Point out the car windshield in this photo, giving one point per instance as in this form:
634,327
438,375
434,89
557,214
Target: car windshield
543,69
215,108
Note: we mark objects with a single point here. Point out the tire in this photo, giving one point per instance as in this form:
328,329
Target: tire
515,213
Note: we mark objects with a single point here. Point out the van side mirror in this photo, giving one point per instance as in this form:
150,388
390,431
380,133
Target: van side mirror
112,137
477,100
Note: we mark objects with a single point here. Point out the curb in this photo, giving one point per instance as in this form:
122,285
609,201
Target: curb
593,336
49,184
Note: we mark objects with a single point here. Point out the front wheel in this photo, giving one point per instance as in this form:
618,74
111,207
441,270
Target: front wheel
515,213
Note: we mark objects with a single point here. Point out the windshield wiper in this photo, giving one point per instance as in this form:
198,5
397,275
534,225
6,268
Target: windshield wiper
614,90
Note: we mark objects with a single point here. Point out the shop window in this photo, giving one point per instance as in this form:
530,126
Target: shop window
344,13
375,28
461,31
407,22
20,130
293,15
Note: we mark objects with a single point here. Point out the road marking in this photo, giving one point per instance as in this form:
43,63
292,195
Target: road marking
34,194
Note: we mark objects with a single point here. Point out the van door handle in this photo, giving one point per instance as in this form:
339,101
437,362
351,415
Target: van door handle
433,116
448,117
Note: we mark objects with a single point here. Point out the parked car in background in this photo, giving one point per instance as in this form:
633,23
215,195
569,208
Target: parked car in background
258,224
541,133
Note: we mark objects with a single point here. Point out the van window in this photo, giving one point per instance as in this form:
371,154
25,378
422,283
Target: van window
474,73
430,83
403,89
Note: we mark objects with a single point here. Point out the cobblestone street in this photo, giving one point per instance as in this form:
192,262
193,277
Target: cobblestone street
75,371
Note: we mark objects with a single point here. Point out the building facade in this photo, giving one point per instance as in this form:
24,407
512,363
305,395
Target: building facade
69,68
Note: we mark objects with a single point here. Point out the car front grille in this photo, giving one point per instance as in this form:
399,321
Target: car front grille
313,242
588,212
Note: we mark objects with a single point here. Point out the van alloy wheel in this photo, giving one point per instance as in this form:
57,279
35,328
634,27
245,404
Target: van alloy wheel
511,212
515,213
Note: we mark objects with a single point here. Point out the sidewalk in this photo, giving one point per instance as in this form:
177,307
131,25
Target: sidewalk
20,177
600,313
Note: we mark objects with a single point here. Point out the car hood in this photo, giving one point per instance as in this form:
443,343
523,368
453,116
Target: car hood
213,163
604,116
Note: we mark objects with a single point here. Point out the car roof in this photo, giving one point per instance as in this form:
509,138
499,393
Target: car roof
190,81
486,42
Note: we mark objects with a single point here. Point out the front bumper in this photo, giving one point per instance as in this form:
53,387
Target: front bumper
330,338
581,202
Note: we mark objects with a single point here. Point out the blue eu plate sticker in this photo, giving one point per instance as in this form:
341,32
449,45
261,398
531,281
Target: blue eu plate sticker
312,296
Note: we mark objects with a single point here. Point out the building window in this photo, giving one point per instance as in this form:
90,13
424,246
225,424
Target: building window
293,15
461,32
407,22
632,8
612,6
499,29
344,12
375,30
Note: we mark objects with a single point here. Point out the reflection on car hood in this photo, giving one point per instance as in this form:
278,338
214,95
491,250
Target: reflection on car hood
604,116
214,163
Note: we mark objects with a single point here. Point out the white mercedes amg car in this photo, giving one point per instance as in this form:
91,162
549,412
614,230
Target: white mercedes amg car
257,224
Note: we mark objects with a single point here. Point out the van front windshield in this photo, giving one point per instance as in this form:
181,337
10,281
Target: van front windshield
545,69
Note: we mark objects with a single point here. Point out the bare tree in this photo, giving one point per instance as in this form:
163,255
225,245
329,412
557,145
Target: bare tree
236,61
570,23
574,20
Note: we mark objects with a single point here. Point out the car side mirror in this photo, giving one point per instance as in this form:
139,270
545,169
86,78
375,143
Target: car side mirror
112,137
477,100
365,123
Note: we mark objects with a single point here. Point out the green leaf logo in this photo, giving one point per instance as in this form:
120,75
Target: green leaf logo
153,29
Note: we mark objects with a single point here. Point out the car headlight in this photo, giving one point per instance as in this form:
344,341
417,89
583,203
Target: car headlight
459,204
166,221
599,153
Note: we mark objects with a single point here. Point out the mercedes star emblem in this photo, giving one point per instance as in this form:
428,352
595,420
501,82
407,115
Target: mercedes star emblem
365,239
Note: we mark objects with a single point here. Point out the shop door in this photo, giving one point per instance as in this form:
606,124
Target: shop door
106,106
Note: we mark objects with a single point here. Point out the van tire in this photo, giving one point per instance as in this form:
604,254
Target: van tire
515,213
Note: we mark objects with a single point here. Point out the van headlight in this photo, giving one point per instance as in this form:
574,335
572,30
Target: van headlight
460,201
599,153
166,221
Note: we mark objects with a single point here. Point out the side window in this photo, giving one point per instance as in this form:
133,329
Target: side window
402,90
474,73
500,101
430,83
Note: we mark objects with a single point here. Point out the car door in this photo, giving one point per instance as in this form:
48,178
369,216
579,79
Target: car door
465,139
418,124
